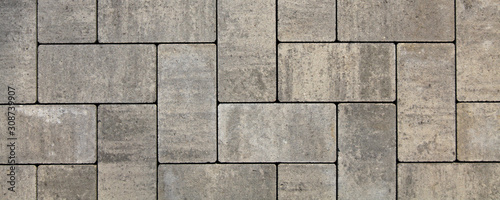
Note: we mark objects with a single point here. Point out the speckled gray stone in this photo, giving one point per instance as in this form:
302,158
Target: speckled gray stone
67,21
396,20
247,50
66,182
187,103
336,72
367,151
18,50
449,181
426,102
478,133
306,20
277,133
478,30
51,134
97,74
156,21
24,184
127,152
306,181
217,181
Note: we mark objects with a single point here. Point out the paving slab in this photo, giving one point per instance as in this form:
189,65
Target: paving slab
277,133
66,182
307,181
426,102
23,184
187,103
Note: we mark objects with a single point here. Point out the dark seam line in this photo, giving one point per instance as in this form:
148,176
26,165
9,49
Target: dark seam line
337,149
478,102
448,162
396,105
276,54
6,164
97,150
277,180
456,97
36,182
355,42
157,137
96,21
336,25
312,102
90,103
216,81
36,49
125,43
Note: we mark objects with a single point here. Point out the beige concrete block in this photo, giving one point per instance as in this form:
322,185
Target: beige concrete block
66,182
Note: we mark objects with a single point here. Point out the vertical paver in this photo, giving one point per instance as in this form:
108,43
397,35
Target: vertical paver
426,102
19,182
187,103
306,181
66,182
127,152
367,151
247,50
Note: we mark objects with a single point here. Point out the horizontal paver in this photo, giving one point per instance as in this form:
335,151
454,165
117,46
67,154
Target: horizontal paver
48,134
306,181
66,182
97,74
426,102
336,72
277,133
217,181
18,182
187,103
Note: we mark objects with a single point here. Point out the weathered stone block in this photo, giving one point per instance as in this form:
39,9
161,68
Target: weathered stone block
23,185
66,182
306,181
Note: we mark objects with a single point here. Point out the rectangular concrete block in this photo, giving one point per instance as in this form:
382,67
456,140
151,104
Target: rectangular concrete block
478,133
127,152
65,21
277,133
307,181
187,103
224,182
306,20
367,151
18,182
156,21
426,102
18,50
336,72
66,182
247,50
478,30
48,134
449,181
396,20
97,74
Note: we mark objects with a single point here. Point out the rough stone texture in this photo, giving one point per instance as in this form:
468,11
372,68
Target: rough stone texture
250,181
25,182
97,74
396,20
478,136
51,134
67,21
18,50
336,72
247,50
66,182
449,181
367,151
127,152
156,21
277,133
187,103
478,30
426,102
306,181
306,20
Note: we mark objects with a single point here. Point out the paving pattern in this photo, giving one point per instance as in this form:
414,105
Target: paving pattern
239,99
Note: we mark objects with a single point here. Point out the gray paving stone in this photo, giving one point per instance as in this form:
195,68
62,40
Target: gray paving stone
478,30
397,20
97,74
247,50
336,72
478,128
449,181
66,182
302,20
367,151
426,102
156,21
49,134
217,181
67,21
23,185
18,50
277,133
306,181
187,103
127,152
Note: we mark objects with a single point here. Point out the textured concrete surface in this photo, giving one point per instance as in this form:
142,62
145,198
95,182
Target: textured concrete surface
306,181
23,185
66,182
